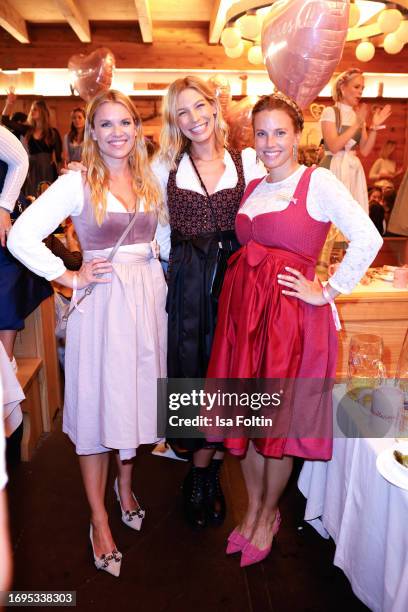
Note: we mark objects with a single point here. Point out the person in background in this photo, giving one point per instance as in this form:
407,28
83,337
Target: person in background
73,141
376,213
376,195
384,170
204,181
41,140
21,291
344,128
5,545
398,221
110,381
20,118
275,321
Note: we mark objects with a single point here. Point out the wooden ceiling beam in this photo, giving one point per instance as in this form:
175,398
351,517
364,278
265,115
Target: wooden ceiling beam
78,22
13,22
218,20
183,48
145,20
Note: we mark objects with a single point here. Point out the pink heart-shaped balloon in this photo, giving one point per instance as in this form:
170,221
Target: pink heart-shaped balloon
92,73
302,43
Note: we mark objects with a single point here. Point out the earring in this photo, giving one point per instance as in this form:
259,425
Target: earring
295,152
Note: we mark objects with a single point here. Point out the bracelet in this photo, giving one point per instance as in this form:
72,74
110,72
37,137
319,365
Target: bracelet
330,301
375,128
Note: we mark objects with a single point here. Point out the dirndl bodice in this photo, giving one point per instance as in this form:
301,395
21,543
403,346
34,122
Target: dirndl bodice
194,245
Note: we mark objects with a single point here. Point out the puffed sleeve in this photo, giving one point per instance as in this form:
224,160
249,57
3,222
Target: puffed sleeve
328,114
337,205
163,238
161,172
253,168
62,199
14,155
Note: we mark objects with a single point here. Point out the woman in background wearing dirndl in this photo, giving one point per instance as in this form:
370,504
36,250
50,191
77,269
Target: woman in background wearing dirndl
194,159
344,130
41,140
274,318
116,338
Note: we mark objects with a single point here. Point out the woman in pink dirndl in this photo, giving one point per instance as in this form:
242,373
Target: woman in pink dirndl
275,320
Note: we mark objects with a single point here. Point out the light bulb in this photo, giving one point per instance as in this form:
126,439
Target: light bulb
365,51
231,37
255,55
389,20
402,32
392,45
250,26
236,51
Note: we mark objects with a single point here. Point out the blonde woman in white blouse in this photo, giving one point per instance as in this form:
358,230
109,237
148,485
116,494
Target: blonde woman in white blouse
344,127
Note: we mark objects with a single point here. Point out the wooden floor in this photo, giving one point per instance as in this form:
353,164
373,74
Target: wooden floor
166,567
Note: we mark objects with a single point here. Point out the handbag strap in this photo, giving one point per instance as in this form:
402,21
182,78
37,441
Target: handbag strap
111,255
208,201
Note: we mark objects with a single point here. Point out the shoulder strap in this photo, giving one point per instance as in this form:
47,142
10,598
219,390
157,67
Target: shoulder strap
122,237
337,116
250,188
303,184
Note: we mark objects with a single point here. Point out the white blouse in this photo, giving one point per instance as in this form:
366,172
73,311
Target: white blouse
328,200
64,198
347,116
13,153
186,178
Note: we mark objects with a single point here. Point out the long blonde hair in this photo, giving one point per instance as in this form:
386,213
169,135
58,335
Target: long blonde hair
144,183
172,140
43,123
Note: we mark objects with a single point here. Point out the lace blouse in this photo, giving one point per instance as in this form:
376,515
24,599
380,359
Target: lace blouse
14,155
328,200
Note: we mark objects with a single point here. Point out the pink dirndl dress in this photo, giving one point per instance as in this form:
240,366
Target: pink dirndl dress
264,334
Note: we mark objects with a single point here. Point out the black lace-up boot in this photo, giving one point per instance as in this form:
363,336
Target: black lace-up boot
194,488
214,497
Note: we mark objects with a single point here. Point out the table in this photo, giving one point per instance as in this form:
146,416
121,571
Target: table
367,517
377,308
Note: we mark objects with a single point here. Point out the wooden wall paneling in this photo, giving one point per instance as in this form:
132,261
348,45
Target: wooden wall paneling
174,47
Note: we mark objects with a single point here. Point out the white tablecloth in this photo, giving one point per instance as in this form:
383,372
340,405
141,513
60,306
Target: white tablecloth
366,516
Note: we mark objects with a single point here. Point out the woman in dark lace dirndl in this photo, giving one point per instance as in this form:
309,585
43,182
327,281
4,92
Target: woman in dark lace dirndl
204,182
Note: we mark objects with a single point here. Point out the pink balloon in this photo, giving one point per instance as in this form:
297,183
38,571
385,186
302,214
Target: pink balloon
239,122
302,42
222,89
92,73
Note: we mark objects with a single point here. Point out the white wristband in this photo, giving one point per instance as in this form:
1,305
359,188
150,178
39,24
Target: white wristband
330,301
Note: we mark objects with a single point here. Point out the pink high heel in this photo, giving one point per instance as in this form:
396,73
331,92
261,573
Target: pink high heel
236,542
252,554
